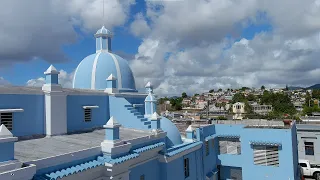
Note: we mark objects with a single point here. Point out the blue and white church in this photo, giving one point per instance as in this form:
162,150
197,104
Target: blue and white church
103,129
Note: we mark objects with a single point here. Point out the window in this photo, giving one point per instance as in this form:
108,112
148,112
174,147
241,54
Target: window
6,119
207,147
87,115
186,167
142,177
229,146
309,148
266,155
303,164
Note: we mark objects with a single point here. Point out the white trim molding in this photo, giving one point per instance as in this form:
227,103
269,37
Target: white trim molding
90,107
11,110
166,159
93,73
116,63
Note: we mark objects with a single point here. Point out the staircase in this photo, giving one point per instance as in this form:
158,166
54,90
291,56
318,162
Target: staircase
138,115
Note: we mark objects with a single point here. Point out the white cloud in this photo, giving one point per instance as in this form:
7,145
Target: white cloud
192,53
139,27
65,79
38,29
4,82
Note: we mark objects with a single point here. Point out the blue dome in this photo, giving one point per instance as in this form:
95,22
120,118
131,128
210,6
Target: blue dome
93,71
173,134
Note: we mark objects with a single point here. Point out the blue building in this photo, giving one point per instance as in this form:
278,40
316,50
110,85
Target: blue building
103,128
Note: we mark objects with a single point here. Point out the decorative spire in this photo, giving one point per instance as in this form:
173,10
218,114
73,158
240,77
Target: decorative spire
155,116
51,70
112,123
103,40
149,87
189,129
111,77
4,132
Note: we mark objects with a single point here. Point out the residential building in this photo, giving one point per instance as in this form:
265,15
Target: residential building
261,109
309,142
104,129
238,110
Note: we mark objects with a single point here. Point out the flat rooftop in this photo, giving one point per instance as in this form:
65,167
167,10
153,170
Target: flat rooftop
32,149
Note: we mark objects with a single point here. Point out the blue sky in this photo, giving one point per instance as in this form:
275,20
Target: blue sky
174,42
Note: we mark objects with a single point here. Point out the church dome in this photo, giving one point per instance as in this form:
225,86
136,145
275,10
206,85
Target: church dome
93,70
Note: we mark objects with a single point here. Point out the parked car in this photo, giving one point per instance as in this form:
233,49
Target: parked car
310,169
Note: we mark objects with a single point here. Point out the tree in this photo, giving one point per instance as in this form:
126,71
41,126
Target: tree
238,97
287,88
184,95
219,90
211,91
196,94
263,88
316,93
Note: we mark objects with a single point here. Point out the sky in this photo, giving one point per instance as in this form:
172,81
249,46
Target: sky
179,45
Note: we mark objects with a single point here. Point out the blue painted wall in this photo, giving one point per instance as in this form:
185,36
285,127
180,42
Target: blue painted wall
122,115
287,153
29,122
75,111
175,169
6,151
150,170
137,100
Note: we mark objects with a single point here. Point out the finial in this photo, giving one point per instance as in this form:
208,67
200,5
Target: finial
111,77
148,85
155,116
103,13
112,123
189,129
51,70
4,132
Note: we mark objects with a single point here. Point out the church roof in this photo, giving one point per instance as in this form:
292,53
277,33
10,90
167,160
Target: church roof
63,144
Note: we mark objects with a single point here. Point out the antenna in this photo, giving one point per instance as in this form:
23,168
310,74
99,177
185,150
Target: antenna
103,13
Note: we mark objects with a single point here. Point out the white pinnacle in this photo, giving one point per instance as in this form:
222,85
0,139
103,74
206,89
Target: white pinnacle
148,85
4,132
189,129
111,77
155,116
112,122
51,70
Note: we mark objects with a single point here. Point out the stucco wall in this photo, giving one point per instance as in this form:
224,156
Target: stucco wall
31,120
304,136
75,111
287,152
150,170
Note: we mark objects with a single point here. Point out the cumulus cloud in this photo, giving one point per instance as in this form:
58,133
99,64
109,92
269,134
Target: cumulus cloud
4,82
65,79
193,46
38,29
139,27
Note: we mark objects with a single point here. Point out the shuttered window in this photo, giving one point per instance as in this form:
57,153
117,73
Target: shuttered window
142,177
266,155
186,167
207,148
6,119
229,146
87,115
